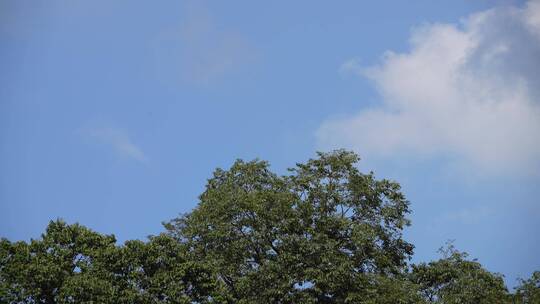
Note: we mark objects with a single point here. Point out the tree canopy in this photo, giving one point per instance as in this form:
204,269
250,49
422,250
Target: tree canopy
323,233
72,264
455,279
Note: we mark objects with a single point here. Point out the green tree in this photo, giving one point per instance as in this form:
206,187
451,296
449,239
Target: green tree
325,233
43,271
528,291
158,271
72,264
455,279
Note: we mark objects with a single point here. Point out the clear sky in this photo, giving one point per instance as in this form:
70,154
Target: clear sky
114,113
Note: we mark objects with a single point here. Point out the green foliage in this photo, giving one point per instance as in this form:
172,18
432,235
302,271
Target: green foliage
529,290
454,279
47,270
71,264
324,233
326,226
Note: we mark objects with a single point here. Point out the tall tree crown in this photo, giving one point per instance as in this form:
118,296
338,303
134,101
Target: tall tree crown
313,233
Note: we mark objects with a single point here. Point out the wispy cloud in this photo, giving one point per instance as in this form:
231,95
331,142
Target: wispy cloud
118,140
198,51
352,65
471,215
469,91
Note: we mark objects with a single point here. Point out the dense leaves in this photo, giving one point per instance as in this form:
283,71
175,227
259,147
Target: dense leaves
454,279
323,233
72,264
529,290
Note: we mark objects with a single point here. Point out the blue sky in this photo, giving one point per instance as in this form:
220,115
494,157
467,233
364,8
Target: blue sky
114,114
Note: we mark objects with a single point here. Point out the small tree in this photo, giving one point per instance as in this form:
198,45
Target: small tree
455,279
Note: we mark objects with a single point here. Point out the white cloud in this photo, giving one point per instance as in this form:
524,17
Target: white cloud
118,140
469,91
